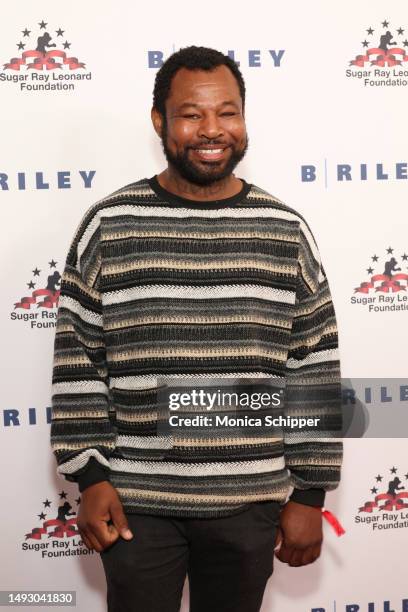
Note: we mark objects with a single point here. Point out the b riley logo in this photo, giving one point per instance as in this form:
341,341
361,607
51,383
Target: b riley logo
386,287
383,61
57,535
39,308
388,507
45,62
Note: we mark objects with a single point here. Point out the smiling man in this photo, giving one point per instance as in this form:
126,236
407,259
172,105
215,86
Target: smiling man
207,136
194,273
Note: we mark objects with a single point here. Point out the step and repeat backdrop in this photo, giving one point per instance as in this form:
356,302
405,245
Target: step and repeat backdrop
327,90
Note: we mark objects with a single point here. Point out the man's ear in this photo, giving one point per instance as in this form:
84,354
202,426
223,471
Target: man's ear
157,120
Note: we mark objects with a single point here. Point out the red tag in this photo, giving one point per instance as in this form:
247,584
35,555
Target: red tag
330,518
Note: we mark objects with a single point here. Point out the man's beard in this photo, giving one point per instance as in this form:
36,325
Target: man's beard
205,175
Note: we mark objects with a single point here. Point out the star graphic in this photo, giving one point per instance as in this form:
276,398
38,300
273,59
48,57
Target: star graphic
20,45
36,272
62,495
390,250
375,258
374,490
78,500
405,43
370,270
378,478
67,45
42,25
393,470
364,43
41,516
26,32
370,31
31,285
400,31
47,503
404,257
385,24
52,263
60,32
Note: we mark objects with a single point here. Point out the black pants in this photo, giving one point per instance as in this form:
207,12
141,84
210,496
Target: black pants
228,562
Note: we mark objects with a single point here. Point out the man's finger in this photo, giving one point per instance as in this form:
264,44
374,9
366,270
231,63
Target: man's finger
316,550
102,532
296,558
93,539
284,553
310,554
120,521
86,541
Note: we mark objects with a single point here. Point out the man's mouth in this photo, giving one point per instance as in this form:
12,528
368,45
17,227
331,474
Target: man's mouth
210,153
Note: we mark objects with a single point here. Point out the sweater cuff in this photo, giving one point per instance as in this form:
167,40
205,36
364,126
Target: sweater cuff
94,472
309,497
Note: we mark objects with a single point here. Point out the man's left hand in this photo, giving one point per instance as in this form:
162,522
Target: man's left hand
300,534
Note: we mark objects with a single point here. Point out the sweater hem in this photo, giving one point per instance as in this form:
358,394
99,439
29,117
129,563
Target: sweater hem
196,513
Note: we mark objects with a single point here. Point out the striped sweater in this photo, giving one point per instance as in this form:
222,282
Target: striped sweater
158,286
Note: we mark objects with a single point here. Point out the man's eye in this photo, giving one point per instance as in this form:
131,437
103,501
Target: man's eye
228,114
191,116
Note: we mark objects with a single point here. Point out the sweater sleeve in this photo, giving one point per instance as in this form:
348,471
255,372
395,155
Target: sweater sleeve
313,454
82,435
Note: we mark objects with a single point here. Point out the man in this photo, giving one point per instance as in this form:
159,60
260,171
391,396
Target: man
194,273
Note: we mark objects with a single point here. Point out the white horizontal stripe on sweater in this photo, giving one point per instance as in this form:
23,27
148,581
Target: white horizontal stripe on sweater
80,386
151,381
301,440
75,464
145,442
318,357
198,469
170,211
186,292
89,316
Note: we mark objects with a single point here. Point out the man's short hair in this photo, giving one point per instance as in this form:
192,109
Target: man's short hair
191,58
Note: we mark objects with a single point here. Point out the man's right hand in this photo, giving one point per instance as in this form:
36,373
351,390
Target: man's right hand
100,503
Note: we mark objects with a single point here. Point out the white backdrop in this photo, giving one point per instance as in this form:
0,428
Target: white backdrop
84,141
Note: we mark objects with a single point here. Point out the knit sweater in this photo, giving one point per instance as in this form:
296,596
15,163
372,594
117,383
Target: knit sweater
155,286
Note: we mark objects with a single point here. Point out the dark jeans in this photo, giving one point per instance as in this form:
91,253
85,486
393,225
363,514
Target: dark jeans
228,562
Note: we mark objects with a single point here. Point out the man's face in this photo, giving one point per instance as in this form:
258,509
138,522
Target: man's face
203,134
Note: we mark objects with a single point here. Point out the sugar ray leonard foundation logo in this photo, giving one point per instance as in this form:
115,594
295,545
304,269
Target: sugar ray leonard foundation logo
386,287
39,308
45,62
57,535
388,507
384,58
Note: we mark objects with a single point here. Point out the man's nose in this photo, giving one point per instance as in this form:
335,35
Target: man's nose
210,126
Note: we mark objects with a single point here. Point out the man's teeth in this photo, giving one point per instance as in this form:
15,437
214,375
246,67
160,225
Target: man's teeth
210,151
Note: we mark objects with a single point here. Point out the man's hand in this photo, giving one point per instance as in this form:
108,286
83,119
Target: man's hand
300,534
99,504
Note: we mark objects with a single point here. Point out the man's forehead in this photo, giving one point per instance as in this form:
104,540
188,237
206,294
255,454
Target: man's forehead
200,82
